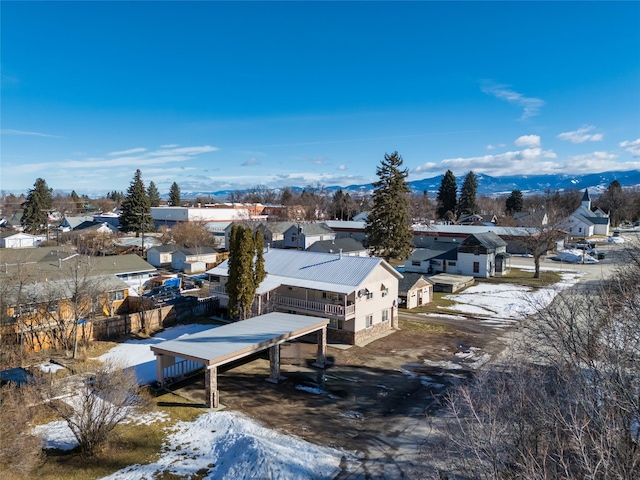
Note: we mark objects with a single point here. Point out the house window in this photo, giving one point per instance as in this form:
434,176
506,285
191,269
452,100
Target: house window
452,264
53,307
335,323
214,279
476,267
369,320
385,315
384,290
415,263
119,295
334,297
369,295
579,229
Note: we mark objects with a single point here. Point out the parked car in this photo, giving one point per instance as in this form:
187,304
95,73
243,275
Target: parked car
163,293
585,245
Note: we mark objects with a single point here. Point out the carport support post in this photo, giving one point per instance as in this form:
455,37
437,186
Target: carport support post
211,386
321,358
274,364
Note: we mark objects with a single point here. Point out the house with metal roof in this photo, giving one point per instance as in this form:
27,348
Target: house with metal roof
440,257
15,239
302,235
414,290
357,294
483,255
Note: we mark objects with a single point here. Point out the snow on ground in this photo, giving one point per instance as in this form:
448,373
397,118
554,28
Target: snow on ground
573,255
231,446
506,301
138,354
51,367
56,435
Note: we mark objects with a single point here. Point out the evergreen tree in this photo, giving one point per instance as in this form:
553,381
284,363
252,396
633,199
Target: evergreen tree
388,230
467,204
174,195
153,194
136,209
514,202
241,286
259,273
36,207
447,196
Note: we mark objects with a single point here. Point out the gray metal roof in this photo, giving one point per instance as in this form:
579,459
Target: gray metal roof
471,229
487,240
334,246
221,345
443,251
319,271
410,280
310,229
345,224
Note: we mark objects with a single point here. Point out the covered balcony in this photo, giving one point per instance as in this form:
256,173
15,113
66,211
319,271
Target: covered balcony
324,309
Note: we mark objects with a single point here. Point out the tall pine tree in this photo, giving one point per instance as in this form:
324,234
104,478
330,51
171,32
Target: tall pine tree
174,195
35,217
467,204
514,202
153,194
136,209
447,196
388,230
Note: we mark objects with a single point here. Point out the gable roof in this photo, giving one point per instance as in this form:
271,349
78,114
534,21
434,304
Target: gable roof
410,281
334,246
443,251
487,240
167,248
319,271
196,251
312,229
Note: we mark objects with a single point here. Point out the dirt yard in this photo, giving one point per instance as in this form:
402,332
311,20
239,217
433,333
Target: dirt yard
364,396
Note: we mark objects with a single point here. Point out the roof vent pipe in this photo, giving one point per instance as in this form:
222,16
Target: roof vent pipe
340,253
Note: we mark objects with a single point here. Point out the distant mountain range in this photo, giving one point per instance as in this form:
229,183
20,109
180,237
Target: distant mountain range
494,186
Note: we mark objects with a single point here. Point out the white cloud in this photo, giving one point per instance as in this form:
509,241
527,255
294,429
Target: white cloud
341,167
513,163
632,147
250,163
170,145
9,131
127,152
530,105
527,141
491,147
581,135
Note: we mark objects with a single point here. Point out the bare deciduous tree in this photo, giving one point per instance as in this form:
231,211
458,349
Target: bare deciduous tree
104,400
566,404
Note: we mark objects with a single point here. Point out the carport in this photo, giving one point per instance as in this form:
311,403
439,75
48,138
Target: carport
221,345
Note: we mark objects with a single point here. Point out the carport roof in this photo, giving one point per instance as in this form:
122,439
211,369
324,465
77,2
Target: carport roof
224,344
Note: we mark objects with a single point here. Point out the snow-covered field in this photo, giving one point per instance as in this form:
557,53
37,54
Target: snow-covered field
503,304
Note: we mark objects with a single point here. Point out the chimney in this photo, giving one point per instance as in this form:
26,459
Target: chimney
340,253
268,246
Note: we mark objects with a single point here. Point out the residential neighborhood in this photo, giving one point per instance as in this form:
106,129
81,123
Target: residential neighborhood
319,240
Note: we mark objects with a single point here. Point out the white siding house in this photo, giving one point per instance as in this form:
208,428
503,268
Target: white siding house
358,294
19,240
302,236
483,255
193,260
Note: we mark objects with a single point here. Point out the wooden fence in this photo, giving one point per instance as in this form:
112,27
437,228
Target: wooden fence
38,337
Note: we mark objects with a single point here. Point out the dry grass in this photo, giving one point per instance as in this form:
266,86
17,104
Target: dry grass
424,327
522,277
131,444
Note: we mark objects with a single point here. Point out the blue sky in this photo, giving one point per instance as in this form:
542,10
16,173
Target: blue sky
217,95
